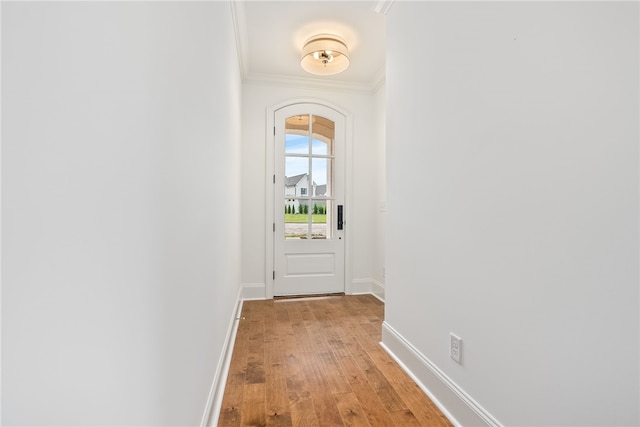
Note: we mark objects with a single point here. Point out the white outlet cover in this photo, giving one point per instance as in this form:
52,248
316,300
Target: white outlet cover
455,348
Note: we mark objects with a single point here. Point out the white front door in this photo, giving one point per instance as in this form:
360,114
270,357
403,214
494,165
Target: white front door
309,206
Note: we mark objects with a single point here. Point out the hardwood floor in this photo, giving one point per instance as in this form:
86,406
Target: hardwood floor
317,362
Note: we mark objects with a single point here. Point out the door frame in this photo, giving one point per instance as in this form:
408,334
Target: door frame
270,189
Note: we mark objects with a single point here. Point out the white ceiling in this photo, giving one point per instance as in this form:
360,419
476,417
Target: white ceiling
271,35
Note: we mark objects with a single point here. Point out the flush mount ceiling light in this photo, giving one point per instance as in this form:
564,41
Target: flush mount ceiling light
324,55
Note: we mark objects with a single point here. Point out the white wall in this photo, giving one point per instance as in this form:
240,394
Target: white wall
120,195
257,97
379,120
520,122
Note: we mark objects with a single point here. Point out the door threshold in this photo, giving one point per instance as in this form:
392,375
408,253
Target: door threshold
299,297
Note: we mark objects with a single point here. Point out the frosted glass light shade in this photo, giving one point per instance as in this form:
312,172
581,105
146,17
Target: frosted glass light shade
325,54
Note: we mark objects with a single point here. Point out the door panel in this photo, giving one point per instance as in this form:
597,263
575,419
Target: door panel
309,185
305,264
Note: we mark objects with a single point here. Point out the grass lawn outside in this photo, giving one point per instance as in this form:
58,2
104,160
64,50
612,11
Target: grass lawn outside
303,218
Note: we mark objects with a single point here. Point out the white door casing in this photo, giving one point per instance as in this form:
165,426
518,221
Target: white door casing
309,168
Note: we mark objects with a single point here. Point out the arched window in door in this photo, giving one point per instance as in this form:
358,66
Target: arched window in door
309,180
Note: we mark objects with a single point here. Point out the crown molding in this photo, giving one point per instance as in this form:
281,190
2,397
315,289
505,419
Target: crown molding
242,45
240,30
308,82
383,6
379,79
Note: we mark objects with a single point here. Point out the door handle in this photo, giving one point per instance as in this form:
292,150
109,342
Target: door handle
340,217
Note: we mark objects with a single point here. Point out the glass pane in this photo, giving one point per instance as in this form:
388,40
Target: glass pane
321,217
297,135
321,173
296,144
297,217
319,147
324,131
296,176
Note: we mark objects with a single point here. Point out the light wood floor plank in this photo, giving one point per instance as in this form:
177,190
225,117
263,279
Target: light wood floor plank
253,413
366,395
317,362
428,413
323,400
392,402
278,413
351,411
404,418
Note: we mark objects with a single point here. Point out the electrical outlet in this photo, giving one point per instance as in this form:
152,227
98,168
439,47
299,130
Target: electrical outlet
455,348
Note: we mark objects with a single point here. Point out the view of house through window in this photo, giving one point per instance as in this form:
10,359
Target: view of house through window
309,157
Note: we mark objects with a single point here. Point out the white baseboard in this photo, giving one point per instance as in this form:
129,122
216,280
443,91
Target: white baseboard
214,402
253,291
368,286
377,289
454,402
249,291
